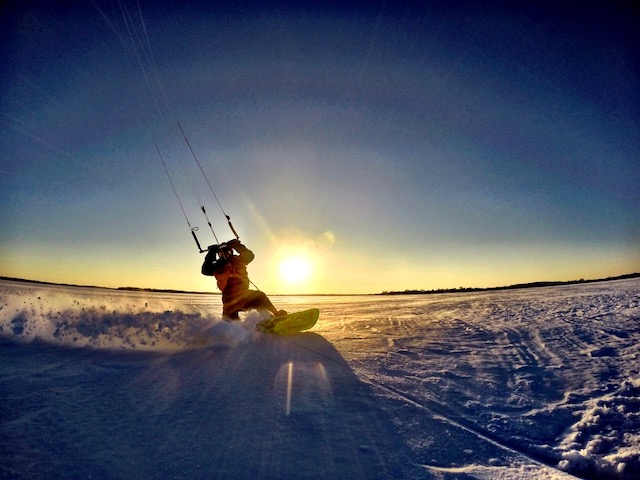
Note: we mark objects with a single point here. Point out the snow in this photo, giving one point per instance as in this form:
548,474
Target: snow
532,383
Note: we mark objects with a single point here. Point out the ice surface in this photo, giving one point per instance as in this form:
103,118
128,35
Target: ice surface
537,383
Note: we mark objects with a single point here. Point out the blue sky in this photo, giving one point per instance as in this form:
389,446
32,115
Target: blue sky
393,146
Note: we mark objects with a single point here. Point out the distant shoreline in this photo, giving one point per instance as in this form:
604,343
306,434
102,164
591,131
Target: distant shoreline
510,287
132,289
400,292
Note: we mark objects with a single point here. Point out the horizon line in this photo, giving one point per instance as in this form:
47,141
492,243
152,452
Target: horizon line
542,283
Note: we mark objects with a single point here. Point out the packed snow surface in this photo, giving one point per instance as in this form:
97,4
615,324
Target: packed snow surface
517,384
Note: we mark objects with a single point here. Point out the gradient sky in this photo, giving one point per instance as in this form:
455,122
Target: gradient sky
395,146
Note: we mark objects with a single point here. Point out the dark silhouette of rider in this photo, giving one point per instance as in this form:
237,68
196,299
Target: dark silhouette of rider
230,270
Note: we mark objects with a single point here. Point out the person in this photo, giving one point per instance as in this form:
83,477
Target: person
230,271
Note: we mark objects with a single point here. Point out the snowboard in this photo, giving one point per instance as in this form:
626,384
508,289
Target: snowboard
291,323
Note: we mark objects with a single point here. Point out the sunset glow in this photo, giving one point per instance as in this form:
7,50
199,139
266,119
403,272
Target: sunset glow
295,269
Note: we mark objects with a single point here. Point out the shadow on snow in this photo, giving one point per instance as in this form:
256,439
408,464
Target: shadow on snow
280,407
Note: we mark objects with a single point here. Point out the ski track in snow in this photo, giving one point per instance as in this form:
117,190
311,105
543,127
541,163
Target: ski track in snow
525,383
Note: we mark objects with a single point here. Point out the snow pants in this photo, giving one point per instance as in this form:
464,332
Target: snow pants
247,300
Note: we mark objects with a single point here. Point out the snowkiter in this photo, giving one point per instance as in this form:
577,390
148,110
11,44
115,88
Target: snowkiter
230,270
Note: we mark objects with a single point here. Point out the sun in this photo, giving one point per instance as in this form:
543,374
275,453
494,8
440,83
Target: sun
295,269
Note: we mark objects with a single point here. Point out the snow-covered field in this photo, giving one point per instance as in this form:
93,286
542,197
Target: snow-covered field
104,384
